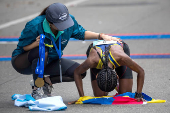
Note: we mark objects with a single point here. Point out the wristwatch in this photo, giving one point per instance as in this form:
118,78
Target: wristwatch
138,95
100,36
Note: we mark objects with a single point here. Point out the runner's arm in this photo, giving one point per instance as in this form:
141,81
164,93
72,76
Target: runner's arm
127,61
90,62
77,75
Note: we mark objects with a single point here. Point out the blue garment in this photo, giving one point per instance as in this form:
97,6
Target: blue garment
54,103
34,28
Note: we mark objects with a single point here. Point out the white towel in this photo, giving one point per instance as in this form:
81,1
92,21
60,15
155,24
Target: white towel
54,103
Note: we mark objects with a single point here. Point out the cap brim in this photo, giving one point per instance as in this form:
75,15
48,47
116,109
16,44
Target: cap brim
65,24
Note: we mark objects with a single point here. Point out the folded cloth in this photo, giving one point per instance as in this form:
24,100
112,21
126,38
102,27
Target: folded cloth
54,103
125,98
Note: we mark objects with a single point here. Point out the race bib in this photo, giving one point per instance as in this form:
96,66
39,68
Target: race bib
102,42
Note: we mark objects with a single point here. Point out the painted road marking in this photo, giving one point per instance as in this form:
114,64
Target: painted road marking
83,56
5,25
14,39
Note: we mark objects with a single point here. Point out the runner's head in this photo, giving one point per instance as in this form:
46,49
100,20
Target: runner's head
107,79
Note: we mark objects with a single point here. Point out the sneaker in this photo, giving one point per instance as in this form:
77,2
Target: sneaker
38,94
47,89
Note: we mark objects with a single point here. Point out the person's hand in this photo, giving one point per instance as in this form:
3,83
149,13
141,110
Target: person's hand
109,38
140,99
73,102
37,40
79,101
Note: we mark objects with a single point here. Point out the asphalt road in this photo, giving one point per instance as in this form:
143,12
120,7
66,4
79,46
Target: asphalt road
108,16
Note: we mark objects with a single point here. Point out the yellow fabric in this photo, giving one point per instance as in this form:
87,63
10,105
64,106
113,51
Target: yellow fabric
81,99
100,63
48,45
113,59
156,101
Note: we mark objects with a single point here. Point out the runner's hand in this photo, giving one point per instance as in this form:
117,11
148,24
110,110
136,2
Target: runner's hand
140,99
73,102
79,101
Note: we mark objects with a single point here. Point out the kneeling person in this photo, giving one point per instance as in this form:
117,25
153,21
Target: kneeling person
103,57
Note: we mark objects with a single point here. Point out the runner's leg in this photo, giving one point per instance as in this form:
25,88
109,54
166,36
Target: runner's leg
125,74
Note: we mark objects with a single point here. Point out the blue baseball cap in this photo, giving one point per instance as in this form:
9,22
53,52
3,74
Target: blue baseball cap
58,14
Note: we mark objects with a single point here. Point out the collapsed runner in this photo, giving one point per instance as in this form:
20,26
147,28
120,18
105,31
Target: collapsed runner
103,57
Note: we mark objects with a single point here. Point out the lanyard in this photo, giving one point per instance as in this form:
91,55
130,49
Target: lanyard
59,54
40,64
58,50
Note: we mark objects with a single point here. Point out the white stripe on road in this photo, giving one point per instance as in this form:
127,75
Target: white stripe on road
18,21
2,26
74,3
6,42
